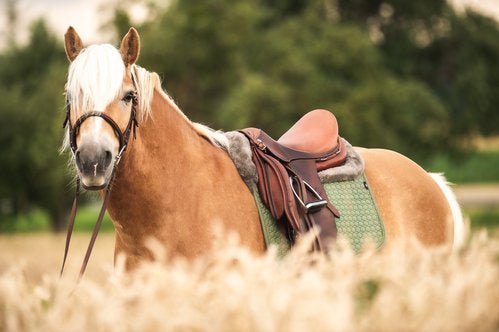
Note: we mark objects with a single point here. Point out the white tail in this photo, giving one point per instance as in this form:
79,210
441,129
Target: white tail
457,216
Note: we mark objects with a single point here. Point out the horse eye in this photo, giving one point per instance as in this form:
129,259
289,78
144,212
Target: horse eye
129,96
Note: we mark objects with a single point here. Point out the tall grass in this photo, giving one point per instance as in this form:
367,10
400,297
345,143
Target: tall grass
405,288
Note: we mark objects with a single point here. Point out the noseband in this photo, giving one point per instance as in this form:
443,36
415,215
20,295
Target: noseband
123,138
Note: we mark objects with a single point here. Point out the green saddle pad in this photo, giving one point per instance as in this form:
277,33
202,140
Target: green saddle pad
359,222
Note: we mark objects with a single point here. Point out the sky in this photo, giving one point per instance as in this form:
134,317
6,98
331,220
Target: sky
86,16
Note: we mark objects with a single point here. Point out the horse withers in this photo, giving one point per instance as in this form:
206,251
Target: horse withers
173,180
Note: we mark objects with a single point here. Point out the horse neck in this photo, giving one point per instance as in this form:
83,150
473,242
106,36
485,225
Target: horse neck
167,156
166,138
175,186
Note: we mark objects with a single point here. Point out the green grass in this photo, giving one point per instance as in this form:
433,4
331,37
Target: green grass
34,221
87,216
479,166
483,217
38,220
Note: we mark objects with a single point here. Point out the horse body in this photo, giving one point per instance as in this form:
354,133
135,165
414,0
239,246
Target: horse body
181,198
176,185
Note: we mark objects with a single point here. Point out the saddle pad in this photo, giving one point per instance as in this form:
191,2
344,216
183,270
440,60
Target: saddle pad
359,222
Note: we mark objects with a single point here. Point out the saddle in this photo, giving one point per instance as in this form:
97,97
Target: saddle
287,174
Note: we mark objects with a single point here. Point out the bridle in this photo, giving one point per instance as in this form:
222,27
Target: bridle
123,138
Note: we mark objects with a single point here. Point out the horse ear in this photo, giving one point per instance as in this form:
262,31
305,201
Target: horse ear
72,43
130,47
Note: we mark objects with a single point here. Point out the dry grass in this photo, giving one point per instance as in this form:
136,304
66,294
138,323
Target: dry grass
404,289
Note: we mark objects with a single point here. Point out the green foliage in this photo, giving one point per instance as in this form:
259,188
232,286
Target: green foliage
461,67
401,115
279,84
33,172
236,64
198,48
454,54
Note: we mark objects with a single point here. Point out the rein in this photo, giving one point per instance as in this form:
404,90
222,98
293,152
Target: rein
123,139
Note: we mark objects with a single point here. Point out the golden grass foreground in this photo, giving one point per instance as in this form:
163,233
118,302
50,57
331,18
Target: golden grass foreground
404,289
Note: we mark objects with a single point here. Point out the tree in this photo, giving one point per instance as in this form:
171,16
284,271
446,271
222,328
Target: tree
461,67
310,62
33,172
197,46
453,54
237,64
12,22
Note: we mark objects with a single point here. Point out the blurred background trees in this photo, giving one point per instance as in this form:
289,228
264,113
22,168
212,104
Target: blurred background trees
32,171
416,77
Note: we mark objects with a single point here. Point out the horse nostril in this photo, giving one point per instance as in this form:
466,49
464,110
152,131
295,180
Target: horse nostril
108,159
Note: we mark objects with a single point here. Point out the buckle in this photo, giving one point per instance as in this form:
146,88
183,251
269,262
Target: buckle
261,145
311,207
117,159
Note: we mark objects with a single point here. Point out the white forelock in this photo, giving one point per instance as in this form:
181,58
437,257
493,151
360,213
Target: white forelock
95,78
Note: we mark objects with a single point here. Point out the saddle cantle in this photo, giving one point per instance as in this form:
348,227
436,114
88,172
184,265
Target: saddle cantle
287,173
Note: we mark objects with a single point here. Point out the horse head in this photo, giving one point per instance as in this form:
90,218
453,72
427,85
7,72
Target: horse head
101,101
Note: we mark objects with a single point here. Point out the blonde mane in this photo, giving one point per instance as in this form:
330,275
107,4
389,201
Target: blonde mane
146,83
95,79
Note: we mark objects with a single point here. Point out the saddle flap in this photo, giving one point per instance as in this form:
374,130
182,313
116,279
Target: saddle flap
288,181
274,188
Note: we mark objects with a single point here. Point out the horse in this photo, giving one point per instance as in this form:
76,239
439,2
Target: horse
175,181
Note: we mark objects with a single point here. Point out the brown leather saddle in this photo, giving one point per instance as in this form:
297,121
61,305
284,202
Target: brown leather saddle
288,179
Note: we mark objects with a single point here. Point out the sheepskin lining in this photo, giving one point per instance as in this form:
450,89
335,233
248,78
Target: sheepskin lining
239,150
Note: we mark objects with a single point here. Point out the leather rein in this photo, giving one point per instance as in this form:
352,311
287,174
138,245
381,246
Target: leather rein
123,138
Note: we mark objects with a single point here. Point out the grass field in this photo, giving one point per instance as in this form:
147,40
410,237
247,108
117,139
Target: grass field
405,289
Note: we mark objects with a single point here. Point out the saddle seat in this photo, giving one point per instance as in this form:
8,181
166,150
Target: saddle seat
317,133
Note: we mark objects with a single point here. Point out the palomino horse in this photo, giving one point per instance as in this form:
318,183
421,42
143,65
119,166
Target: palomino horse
175,182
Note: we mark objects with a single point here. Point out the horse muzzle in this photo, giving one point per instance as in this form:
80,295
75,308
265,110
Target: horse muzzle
93,163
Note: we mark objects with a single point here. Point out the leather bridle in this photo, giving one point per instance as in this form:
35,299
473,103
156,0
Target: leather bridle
123,138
